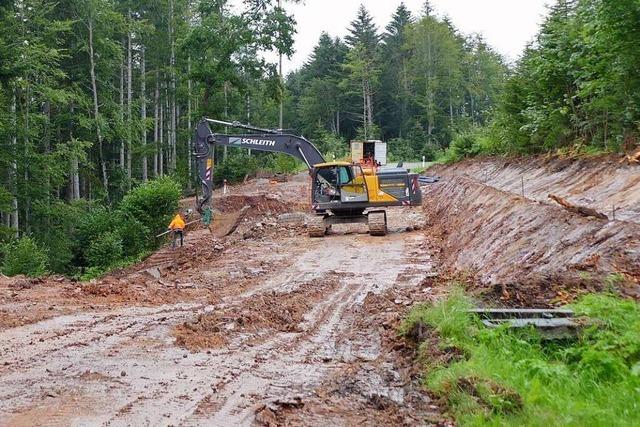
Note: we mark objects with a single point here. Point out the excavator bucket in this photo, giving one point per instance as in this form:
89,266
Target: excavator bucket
225,224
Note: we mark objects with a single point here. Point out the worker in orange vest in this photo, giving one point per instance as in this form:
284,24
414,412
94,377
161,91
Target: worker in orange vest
177,226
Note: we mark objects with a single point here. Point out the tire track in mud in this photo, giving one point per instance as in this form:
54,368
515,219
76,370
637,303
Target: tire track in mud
246,370
46,338
49,366
294,362
127,364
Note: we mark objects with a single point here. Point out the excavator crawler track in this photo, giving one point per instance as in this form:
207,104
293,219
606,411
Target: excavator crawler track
316,226
377,223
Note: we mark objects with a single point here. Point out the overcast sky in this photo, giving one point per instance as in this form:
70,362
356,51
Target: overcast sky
508,25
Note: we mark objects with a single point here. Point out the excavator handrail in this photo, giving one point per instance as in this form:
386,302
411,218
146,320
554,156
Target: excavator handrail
237,124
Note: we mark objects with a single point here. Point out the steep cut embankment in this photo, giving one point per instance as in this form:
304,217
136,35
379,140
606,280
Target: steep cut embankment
602,184
532,252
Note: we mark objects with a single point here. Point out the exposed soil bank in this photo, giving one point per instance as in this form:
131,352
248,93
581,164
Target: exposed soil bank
530,253
599,183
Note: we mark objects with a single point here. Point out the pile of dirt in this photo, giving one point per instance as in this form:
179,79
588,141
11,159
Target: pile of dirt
527,253
260,204
271,311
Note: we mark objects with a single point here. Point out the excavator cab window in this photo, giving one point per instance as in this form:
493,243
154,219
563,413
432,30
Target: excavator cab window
353,187
340,184
327,188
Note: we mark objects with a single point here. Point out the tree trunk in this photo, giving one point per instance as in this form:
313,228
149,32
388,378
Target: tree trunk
450,107
429,88
172,132
74,173
129,100
121,112
280,83
365,125
46,110
226,116
96,110
369,104
26,108
75,178
248,102
405,97
473,110
189,136
15,221
161,148
143,113
156,122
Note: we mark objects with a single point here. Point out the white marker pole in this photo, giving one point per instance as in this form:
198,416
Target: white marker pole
224,188
423,159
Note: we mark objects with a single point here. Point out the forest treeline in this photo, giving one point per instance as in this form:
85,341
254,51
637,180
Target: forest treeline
415,84
98,97
577,84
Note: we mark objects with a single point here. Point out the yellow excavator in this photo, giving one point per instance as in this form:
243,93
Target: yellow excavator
341,192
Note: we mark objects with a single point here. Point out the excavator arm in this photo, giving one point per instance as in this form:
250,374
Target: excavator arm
261,140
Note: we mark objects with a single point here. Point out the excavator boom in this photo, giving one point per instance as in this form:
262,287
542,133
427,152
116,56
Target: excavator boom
262,140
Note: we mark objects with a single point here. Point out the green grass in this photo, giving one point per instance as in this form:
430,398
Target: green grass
503,377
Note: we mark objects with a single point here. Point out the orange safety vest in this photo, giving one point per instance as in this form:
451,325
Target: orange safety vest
177,223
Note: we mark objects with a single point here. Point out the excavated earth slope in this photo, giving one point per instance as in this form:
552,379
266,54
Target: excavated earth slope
529,250
604,183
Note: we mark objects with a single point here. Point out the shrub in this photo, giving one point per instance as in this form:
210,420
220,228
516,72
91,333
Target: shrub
152,204
465,145
24,256
55,223
95,223
105,250
135,236
6,234
473,142
235,167
286,164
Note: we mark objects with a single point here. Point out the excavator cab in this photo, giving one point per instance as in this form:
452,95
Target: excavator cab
339,183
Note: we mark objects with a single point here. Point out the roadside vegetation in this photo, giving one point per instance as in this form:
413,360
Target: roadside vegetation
514,377
85,239
576,88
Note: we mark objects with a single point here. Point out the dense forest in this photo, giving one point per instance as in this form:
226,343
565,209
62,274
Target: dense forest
100,97
415,84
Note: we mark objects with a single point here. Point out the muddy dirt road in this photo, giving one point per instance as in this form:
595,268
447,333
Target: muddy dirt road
266,329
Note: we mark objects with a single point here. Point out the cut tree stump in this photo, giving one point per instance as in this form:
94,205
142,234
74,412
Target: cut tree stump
577,209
